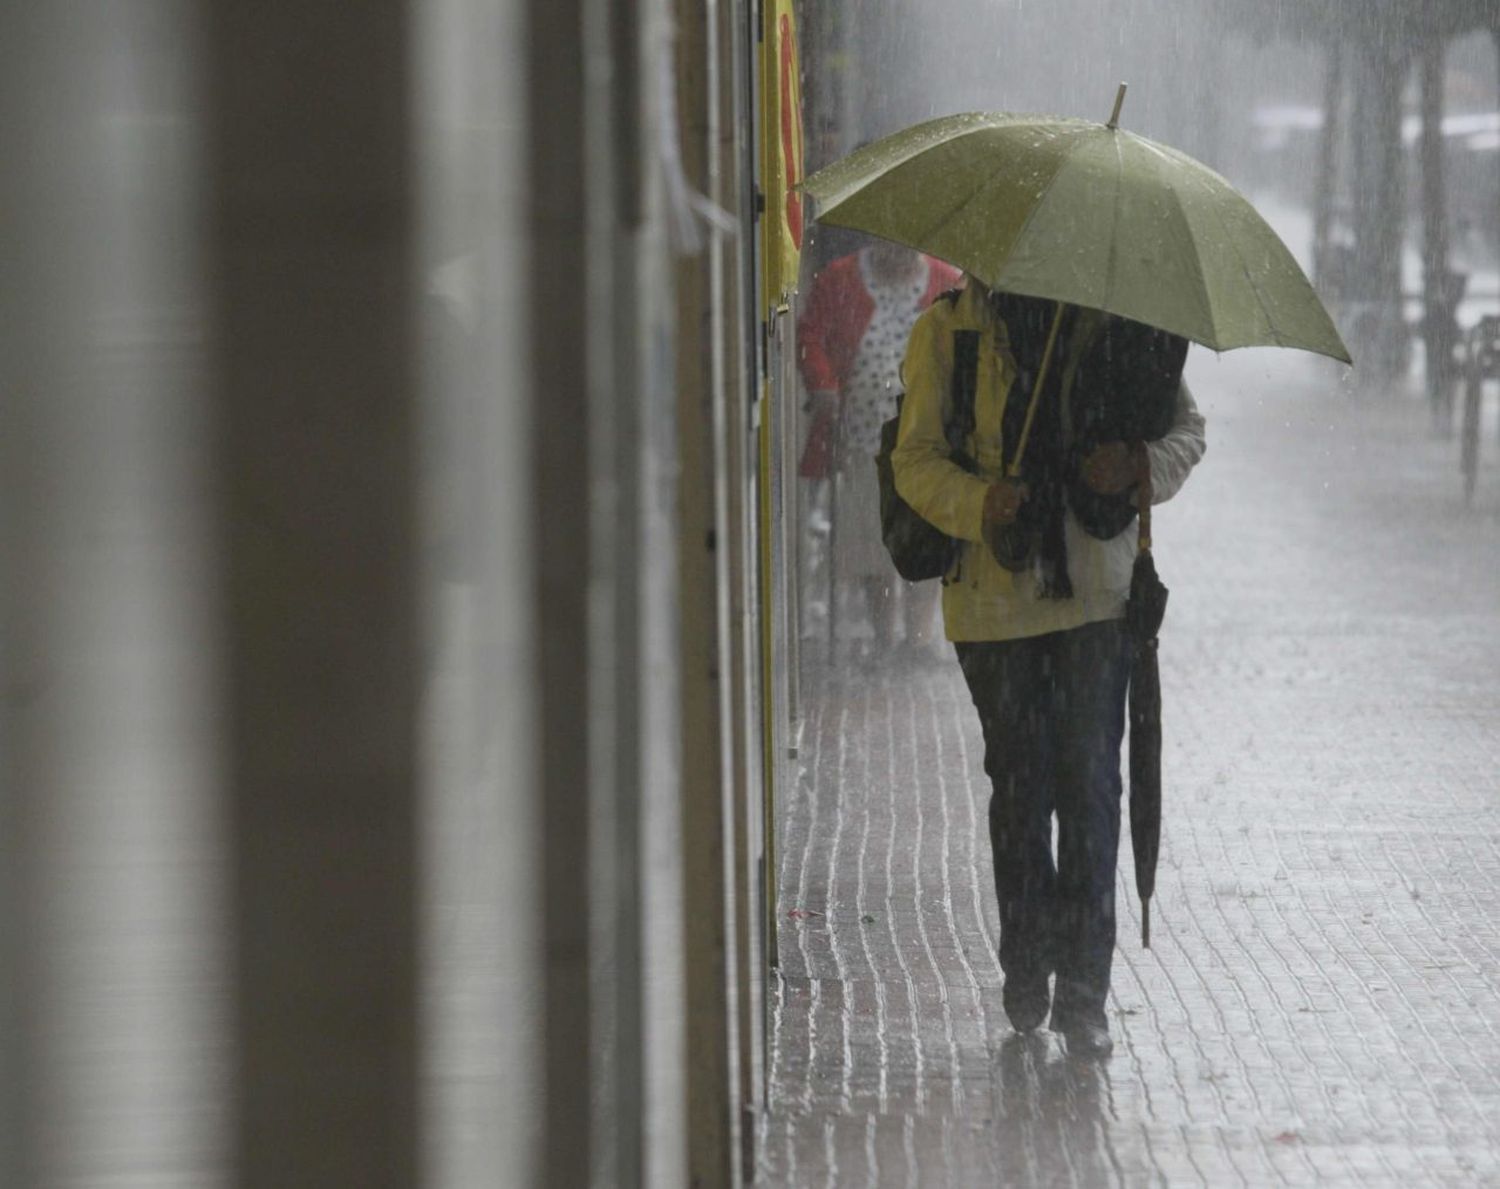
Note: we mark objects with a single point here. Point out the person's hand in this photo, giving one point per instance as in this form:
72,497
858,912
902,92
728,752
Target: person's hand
1110,469
1002,502
1009,544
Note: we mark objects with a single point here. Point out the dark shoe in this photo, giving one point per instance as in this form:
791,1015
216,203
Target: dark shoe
1026,1020
1027,1003
1088,1040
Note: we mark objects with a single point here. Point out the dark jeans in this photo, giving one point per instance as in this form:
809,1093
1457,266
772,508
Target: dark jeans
1053,712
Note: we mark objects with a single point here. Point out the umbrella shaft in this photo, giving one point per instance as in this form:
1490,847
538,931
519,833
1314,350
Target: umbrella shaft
1036,392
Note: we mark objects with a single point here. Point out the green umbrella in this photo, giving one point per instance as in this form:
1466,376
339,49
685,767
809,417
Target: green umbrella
1085,214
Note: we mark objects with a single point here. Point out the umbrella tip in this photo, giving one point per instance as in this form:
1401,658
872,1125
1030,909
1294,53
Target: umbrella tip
1114,118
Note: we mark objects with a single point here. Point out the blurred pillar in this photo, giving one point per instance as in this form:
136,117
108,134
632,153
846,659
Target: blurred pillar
559,276
41,130
310,237
833,111
1495,32
730,33
1438,330
1328,152
586,320
610,590
481,852
110,1061
1379,203
704,535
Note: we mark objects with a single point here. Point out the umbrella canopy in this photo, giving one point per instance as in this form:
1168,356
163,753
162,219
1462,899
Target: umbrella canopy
1085,214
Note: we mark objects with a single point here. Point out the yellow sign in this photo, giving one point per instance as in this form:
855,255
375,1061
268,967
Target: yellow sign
781,151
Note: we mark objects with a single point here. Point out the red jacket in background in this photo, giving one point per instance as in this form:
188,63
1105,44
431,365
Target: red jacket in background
828,336
831,328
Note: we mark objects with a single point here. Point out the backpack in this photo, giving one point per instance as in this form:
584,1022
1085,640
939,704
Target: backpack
919,550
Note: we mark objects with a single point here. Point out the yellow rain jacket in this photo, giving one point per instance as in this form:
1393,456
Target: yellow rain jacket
981,599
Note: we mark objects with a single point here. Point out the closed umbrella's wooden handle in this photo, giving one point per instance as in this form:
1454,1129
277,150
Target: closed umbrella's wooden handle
1143,493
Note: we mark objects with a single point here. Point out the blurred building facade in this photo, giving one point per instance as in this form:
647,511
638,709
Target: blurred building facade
394,678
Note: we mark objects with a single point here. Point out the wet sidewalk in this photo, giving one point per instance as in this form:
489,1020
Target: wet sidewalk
1321,1004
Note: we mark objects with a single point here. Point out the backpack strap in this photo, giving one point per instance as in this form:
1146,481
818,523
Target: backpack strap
960,423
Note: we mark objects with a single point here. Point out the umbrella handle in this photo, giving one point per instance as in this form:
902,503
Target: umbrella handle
1036,393
1143,494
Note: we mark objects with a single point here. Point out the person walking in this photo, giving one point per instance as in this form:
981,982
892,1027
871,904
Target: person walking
1034,605
850,341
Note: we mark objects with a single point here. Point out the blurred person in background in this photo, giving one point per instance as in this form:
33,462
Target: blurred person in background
850,342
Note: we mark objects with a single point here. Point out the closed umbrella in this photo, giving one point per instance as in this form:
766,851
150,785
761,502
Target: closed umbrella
1143,616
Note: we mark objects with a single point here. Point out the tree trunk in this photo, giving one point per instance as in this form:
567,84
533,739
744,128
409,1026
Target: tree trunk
1437,322
1378,324
1324,276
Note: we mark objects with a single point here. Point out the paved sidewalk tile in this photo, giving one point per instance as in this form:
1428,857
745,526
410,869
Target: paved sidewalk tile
1321,1004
